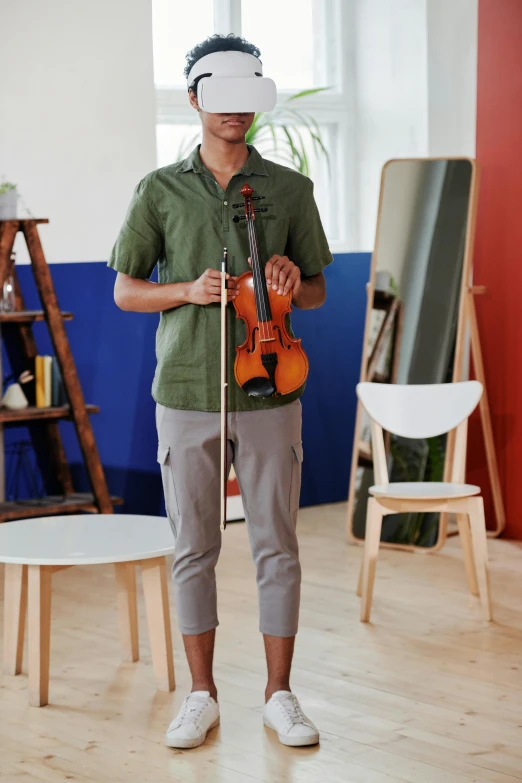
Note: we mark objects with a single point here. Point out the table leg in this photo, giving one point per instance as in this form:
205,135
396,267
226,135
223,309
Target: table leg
154,578
2,450
127,610
15,609
39,584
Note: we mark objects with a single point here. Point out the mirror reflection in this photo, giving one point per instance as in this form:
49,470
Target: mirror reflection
419,252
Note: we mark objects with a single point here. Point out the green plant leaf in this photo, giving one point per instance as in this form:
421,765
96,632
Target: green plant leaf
303,93
6,186
299,156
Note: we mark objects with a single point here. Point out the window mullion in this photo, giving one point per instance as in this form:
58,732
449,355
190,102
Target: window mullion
227,17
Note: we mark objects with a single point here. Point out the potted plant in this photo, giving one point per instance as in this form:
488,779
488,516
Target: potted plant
8,200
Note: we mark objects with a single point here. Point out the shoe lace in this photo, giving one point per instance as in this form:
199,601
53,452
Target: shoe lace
292,709
191,710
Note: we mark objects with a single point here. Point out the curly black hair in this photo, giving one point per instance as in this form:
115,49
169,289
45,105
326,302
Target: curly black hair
218,43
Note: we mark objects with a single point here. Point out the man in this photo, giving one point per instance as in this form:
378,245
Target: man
181,218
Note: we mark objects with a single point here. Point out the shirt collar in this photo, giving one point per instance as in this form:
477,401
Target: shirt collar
253,165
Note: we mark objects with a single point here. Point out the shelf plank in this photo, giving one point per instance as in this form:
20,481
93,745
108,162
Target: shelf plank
51,506
32,413
27,316
21,221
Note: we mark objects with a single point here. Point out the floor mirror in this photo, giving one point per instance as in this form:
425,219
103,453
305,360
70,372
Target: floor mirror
417,326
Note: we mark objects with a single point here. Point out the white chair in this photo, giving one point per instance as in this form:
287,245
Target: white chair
424,411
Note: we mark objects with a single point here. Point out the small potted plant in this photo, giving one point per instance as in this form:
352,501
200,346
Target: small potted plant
8,199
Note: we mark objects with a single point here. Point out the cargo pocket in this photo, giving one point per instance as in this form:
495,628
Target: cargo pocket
295,482
169,488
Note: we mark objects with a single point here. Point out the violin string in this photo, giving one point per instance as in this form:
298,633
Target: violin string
263,293
257,273
269,325
255,266
256,280
266,300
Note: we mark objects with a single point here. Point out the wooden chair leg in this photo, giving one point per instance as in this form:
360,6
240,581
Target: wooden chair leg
154,578
360,579
467,551
39,600
480,548
127,610
371,552
15,609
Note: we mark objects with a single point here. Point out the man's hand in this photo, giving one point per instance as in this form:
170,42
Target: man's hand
282,275
207,288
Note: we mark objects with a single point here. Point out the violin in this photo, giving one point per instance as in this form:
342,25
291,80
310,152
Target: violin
270,362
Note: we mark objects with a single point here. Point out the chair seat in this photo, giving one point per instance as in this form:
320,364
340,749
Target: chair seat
423,490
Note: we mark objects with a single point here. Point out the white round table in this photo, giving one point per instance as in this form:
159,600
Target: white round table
33,549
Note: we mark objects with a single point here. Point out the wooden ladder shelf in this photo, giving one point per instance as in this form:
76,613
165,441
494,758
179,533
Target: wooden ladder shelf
20,321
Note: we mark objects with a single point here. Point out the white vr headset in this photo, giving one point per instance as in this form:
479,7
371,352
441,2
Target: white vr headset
232,82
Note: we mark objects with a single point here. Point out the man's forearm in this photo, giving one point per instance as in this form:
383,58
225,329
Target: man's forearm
143,296
311,293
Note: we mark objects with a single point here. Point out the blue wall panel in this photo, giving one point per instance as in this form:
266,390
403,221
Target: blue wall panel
115,357
332,337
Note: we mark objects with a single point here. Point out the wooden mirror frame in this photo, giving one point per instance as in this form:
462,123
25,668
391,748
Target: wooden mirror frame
466,330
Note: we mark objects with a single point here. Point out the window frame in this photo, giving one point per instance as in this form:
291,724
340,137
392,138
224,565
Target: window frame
333,107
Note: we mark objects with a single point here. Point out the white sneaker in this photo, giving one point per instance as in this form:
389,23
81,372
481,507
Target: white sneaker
199,713
283,714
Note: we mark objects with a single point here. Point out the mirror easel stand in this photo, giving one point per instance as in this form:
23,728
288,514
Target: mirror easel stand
485,418
467,336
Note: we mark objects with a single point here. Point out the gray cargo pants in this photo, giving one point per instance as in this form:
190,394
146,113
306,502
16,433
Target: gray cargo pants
266,450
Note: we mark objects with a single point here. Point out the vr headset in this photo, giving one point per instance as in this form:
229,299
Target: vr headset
230,82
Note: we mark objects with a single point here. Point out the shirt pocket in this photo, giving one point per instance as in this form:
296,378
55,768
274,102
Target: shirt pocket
295,481
169,487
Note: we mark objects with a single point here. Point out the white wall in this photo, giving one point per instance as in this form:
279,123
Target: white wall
392,99
77,116
415,89
452,27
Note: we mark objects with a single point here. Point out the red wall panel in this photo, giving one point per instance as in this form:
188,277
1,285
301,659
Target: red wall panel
498,254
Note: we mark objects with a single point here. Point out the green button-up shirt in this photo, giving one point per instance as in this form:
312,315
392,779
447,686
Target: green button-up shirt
181,219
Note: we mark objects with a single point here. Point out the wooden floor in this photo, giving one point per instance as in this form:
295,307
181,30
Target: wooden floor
427,693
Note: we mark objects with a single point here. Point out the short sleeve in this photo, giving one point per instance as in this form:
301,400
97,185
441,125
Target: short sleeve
140,241
307,245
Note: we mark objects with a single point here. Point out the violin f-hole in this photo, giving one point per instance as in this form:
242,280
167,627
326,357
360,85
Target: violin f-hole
278,330
253,342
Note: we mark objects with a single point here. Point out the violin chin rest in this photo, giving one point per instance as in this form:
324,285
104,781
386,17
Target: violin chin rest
259,387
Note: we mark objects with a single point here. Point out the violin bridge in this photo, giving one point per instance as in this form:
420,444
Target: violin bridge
266,339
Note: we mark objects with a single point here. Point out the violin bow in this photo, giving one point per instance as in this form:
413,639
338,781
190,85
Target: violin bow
224,390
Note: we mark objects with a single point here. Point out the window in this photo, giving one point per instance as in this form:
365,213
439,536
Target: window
176,28
300,49
288,61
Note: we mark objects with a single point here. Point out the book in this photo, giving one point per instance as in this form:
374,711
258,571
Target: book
54,382
39,381
58,396
48,363
43,381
